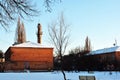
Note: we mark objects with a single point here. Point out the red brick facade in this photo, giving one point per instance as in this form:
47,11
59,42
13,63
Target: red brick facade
20,58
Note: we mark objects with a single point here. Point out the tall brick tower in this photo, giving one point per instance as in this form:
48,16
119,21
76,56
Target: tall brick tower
39,33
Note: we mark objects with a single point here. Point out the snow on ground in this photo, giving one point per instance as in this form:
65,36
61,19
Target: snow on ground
58,75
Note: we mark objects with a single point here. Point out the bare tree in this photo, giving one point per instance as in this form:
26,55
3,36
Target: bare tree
59,36
48,4
11,9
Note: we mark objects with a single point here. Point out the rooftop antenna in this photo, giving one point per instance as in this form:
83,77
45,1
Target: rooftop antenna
115,44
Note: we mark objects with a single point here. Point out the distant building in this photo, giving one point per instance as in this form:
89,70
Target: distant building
108,56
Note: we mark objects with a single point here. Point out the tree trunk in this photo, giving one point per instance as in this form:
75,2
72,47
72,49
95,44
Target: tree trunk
64,74
62,70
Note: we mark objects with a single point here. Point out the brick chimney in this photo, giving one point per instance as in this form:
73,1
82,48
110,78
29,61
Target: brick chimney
39,33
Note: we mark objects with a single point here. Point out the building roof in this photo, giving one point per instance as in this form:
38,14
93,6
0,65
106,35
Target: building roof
106,50
31,44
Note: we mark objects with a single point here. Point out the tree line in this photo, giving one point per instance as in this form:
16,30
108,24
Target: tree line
75,60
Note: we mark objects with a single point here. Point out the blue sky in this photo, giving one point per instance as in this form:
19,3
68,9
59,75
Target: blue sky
97,19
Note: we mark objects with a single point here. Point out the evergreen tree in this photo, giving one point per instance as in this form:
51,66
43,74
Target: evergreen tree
87,47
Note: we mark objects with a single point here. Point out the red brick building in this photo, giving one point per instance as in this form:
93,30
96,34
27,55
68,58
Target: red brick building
28,55
109,55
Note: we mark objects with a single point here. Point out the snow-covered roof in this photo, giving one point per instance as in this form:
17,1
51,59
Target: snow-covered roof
106,50
31,44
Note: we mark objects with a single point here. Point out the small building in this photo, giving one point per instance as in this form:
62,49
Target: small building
29,55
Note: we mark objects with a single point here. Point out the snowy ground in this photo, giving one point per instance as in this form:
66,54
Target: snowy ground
58,76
